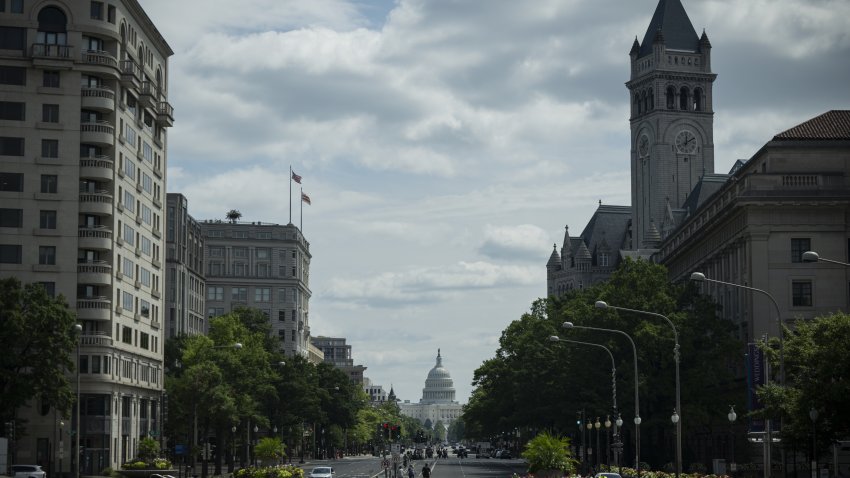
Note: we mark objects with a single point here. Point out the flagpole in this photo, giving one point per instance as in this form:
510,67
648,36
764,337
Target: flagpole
290,194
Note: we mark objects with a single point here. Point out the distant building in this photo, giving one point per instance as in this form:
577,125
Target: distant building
82,183
337,353
377,394
263,266
184,264
438,402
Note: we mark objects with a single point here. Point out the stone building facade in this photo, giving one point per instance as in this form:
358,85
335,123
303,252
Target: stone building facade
438,402
184,263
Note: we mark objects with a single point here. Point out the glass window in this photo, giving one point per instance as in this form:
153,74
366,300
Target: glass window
10,254
129,235
12,110
798,247
146,245
262,294
281,315
128,268
239,293
145,277
11,218
13,182
11,146
215,293
47,255
47,219
49,183
801,292
144,308
13,75
144,341
127,338
50,148
97,10
50,113
129,201
50,288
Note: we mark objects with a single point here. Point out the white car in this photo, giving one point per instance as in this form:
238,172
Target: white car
28,471
322,472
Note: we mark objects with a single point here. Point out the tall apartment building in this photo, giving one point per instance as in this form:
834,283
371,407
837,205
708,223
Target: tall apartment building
338,354
264,266
83,112
184,264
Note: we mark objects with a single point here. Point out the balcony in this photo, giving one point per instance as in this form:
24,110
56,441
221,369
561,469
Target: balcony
94,273
165,114
155,294
96,340
96,167
101,133
94,308
101,62
97,238
96,203
45,55
97,98
131,74
147,94
156,233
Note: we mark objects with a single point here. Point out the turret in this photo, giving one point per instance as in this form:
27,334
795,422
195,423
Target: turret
566,252
705,49
554,260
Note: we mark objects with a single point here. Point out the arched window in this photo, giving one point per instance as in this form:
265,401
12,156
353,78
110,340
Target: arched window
683,98
671,98
698,103
650,104
141,58
52,27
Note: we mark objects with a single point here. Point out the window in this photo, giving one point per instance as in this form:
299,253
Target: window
215,311
47,255
17,6
293,334
47,219
84,364
50,79
127,301
129,201
50,148
144,308
146,245
127,335
12,182
240,269
603,259
128,268
49,183
97,10
95,364
281,315
111,14
262,253
147,152
798,247
239,293
10,254
240,234
144,341
50,288
801,292
50,113
147,183
215,293
264,235
11,217
12,110
146,214
145,277
216,251
240,252
13,38
131,135
13,75
129,168
216,269
129,235
11,146
281,295
262,294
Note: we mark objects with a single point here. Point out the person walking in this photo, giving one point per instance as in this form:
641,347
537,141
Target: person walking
410,472
426,471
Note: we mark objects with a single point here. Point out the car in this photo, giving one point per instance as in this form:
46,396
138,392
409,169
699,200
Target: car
28,471
505,455
607,475
322,472
482,453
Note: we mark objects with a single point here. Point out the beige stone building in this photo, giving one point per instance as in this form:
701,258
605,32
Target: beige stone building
83,117
264,266
184,262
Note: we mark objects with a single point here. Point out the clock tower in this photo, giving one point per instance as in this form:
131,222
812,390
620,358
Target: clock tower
672,120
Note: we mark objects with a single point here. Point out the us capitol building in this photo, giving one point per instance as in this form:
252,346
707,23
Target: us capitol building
438,402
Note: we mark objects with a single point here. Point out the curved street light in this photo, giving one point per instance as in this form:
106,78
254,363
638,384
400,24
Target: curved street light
570,325
768,438
601,304
812,256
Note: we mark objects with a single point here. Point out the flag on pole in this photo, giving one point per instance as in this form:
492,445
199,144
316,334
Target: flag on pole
305,198
296,177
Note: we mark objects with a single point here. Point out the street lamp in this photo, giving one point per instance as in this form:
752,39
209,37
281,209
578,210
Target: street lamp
608,441
555,338
597,425
569,325
731,416
700,277
232,449
78,329
812,256
813,414
604,305
619,444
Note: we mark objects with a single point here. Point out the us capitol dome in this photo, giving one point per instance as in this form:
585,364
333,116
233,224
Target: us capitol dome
438,402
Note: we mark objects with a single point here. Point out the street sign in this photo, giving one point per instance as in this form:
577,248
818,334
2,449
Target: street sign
395,448
179,449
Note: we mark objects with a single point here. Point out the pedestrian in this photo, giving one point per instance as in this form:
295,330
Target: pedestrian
410,472
426,471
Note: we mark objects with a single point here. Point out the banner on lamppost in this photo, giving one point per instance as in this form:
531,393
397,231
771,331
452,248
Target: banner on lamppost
756,377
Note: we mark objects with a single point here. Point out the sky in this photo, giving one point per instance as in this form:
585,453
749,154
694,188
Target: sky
445,144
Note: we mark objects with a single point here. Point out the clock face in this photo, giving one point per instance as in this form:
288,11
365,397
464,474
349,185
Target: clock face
643,146
686,142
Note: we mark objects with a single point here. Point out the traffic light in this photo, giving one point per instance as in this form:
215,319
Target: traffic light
10,430
386,430
395,432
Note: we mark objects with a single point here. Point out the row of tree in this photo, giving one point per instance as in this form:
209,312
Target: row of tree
534,384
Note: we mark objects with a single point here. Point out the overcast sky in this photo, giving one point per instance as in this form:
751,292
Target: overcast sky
446,143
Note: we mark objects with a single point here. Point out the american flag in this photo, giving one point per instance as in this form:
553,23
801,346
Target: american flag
296,177
305,198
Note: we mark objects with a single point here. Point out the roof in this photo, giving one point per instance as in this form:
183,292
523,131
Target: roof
608,224
705,188
675,26
832,125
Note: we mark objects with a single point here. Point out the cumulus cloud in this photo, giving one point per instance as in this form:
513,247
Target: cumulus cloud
525,242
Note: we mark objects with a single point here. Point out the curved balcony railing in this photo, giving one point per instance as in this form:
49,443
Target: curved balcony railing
101,340
97,162
48,50
94,303
96,197
94,267
100,58
98,92
96,232
98,127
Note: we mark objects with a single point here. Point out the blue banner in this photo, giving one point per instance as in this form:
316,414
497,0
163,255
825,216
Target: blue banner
755,378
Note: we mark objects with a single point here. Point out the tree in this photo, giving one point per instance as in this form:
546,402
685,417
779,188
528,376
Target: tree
457,430
817,367
233,215
37,331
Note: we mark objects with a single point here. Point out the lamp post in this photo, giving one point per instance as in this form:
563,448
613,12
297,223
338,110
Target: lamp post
61,450
76,453
569,325
597,425
619,423
555,338
813,414
812,256
232,464
589,426
731,416
700,277
608,441
677,422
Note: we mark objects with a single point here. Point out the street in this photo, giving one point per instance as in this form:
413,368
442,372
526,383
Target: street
452,467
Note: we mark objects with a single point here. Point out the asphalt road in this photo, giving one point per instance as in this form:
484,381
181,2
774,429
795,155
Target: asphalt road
452,467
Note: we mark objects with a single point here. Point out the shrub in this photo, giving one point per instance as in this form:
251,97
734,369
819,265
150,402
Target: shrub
548,452
283,471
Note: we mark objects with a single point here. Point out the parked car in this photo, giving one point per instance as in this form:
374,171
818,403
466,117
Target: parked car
322,472
28,471
505,455
607,475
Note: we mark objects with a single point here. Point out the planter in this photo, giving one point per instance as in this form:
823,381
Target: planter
549,473
146,473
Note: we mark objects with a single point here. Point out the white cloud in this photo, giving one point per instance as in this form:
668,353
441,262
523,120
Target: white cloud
525,242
